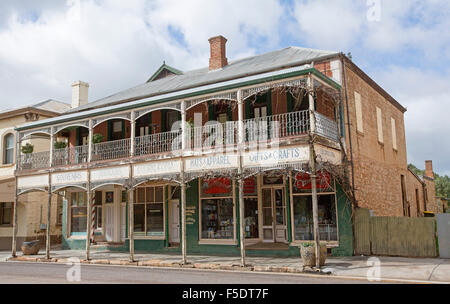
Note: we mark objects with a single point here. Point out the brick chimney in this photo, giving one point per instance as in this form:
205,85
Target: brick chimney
218,57
79,93
429,168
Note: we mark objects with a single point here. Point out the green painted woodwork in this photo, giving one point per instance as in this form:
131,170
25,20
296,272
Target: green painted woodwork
344,210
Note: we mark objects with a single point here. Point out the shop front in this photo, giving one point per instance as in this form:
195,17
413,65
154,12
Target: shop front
277,215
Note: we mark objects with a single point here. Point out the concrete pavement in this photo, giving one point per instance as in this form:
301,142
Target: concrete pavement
374,268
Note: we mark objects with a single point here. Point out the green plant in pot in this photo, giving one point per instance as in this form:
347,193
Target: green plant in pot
27,149
308,253
97,138
60,145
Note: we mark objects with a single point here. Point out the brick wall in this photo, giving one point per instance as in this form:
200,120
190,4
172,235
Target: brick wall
413,184
377,166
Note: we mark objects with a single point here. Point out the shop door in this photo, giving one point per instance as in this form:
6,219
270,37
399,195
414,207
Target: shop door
109,222
174,221
274,215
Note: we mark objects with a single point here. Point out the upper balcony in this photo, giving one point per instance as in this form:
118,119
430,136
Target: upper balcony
281,113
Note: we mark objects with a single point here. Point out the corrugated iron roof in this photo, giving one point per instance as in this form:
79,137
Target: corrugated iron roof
271,61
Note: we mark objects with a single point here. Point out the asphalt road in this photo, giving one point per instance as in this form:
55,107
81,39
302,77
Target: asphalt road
44,273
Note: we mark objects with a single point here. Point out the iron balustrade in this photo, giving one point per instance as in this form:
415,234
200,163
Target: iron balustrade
38,160
158,143
207,137
111,150
276,126
70,155
213,135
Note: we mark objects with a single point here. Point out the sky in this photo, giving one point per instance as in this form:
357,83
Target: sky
403,45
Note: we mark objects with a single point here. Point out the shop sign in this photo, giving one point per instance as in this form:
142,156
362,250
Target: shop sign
276,156
250,186
328,155
303,180
34,181
221,161
110,173
157,168
76,177
219,185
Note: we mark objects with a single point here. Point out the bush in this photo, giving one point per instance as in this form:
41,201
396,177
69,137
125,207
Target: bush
27,149
60,145
97,138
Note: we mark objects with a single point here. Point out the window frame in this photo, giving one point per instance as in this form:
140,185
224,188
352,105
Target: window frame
144,235
5,148
2,208
206,241
296,242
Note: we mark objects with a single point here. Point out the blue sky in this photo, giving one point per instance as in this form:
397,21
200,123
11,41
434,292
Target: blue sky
114,45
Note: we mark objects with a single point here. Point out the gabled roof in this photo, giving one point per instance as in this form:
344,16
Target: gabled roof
164,68
49,107
272,61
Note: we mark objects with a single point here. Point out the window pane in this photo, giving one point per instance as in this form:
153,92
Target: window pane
159,194
251,218
9,156
98,217
303,218
78,219
150,196
155,219
217,219
140,195
139,218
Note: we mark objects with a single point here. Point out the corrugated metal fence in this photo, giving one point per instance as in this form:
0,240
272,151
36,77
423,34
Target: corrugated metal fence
394,236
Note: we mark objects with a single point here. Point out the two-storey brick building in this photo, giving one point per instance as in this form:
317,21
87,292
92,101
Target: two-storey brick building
200,161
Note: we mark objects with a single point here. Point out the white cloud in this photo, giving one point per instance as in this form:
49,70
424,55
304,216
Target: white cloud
115,44
426,95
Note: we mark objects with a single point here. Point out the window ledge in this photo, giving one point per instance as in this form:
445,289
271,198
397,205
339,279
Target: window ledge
217,242
330,244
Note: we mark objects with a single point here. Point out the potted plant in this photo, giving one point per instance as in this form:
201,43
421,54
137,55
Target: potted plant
97,138
308,253
27,149
60,145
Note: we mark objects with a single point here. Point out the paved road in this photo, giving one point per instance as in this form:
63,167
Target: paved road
22,272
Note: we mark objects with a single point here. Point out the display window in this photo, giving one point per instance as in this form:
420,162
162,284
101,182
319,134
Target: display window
217,209
149,211
78,212
303,217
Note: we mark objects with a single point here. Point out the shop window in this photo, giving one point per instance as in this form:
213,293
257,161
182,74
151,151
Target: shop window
251,217
302,182
6,214
303,217
251,208
217,216
149,211
78,214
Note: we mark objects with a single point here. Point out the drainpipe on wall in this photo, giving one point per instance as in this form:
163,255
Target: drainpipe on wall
344,82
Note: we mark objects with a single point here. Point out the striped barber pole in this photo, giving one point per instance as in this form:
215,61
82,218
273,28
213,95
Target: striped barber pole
92,220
